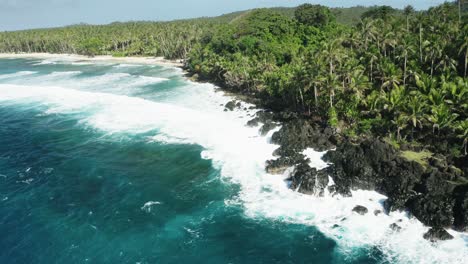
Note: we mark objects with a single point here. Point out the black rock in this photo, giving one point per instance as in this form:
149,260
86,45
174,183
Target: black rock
287,116
261,117
438,162
377,212
432,210
279,166
253,122
460,208
308,180
395,227
360,210
230,105
267,127
436,233
436,195
300,134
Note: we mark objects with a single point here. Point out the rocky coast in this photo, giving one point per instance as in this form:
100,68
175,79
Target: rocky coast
435,191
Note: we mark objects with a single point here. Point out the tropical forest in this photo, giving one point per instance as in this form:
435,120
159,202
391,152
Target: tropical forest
271,135
400,74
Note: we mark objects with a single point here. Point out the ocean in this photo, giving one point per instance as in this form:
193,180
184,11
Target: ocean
105,162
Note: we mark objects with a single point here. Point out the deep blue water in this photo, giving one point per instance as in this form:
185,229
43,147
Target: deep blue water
87,178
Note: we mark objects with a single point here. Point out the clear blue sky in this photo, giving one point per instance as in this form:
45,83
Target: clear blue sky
22,14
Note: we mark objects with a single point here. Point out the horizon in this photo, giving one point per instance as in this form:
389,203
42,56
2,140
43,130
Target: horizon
16,15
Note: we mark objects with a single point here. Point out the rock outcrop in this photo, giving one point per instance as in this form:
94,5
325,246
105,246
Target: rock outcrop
436,234
360,210
436,194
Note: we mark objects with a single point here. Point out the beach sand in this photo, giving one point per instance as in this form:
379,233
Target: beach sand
105,58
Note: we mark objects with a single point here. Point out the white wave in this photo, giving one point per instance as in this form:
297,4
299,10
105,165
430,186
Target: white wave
53,61
107,78
145,80
122,80
315,158
82,63
58,74
149,205
45,62
124,65
196,116
166,139
17,74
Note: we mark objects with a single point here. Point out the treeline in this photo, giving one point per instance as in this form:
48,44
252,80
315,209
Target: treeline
399,74
169,39
173,40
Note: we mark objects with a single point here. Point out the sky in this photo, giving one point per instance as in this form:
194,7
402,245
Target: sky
24,14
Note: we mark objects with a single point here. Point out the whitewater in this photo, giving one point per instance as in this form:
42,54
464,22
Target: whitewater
122,101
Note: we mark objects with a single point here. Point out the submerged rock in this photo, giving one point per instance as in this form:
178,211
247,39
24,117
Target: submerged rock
395,227
230,105
436,233
360,210
263,117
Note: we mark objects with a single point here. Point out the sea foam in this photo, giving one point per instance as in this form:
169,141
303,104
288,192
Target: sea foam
196,116
16,74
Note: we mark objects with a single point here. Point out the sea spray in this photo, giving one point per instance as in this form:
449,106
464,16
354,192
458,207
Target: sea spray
194,114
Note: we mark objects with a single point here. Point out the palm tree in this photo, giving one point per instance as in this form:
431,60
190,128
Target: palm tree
332,55
358,83
464,50
368,31
462,128
415,109
401,123
447,64
441,117
433,53
395,98
457,95
391,75
408,11
405,48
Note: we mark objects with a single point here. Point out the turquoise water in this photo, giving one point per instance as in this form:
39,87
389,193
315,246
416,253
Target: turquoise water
115,163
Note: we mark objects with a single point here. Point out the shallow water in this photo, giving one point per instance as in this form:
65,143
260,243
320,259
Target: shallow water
116,163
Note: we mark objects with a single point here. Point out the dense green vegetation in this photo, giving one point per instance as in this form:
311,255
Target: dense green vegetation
400,74
171,40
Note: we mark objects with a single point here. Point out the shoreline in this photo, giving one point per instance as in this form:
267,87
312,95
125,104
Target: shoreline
439,203
297,134
100,58
344,218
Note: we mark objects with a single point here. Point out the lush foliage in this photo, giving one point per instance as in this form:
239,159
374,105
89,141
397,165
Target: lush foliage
313,15
171,39
397,74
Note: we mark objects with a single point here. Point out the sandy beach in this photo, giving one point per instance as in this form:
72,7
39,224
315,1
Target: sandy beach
103,58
